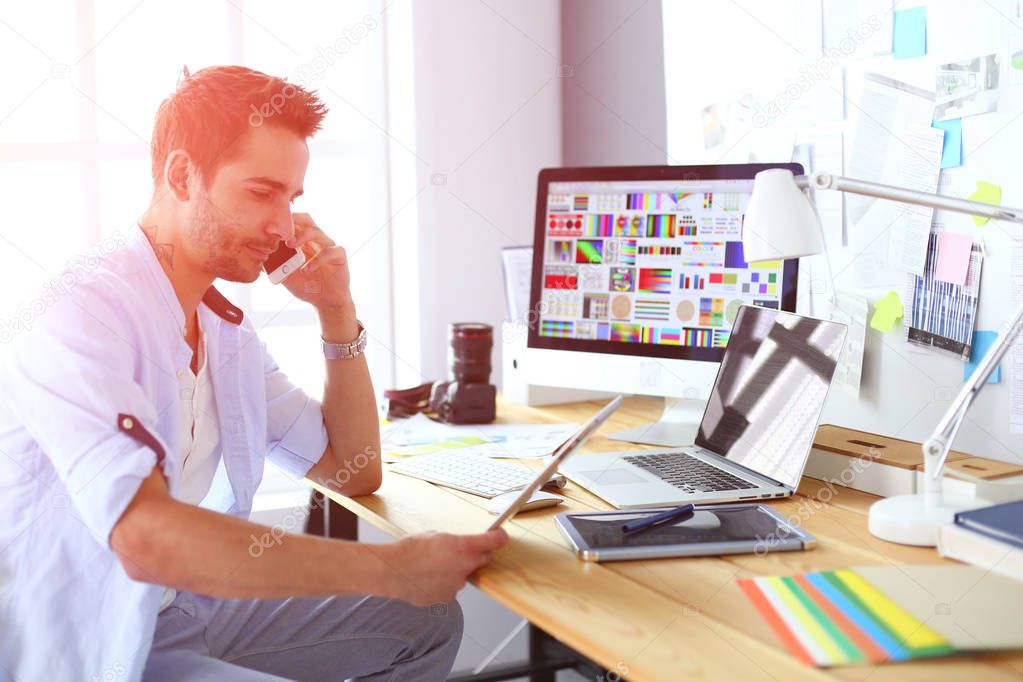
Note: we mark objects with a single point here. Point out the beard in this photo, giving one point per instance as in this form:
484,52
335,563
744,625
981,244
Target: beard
218,245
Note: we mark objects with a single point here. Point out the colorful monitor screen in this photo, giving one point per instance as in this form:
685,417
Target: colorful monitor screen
647,260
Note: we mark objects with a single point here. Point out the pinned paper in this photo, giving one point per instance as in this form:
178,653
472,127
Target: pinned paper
887,312
909,34
852,310
952,147
953,257
988,193
982,342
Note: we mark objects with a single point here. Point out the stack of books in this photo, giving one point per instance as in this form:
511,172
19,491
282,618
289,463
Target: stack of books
990,537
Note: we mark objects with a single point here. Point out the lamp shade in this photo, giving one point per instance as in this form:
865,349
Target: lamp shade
780,221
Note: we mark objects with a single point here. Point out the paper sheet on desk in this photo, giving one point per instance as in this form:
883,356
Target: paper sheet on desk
420,435
517,266
892,143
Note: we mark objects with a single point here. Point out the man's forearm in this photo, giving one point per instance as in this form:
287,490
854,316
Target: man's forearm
349,412
163,541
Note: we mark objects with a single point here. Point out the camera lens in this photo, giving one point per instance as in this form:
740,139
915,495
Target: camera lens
469,353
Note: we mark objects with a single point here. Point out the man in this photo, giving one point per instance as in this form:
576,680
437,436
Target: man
143,392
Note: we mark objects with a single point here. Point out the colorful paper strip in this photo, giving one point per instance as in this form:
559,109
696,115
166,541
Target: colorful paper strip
838,618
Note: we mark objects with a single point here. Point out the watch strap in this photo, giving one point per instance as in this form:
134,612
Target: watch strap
348,350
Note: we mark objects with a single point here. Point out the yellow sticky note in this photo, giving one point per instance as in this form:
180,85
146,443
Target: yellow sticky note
887,312
989,193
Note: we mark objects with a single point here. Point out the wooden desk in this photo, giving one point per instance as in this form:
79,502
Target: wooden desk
663,619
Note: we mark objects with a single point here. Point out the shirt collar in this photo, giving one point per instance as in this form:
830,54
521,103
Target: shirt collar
224,309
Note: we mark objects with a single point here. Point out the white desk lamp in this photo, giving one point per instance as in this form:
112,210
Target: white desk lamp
781,223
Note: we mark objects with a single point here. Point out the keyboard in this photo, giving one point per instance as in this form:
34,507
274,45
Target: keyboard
470,473
689,474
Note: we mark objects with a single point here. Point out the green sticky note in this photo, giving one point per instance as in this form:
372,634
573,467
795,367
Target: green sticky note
988,193
887,312
1017,60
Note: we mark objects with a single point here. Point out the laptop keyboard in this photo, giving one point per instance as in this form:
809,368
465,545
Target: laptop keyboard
687,473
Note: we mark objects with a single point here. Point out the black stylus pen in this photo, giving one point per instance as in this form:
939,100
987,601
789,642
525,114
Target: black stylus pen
657,519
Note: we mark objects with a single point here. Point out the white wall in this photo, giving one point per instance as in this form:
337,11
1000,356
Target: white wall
488,117
487,101
613,103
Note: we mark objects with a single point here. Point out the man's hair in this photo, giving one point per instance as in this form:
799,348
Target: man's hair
212,109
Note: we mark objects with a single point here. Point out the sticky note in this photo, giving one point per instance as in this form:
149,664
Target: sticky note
989,193
952,146
909,33
887,312
953,257
982,342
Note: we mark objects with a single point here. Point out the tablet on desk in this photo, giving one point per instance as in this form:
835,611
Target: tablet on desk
563,452
710,530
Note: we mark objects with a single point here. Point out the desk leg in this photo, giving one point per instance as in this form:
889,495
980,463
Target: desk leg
546,657
330,520
540,649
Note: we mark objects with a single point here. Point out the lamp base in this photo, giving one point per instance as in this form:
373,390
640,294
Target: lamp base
909,520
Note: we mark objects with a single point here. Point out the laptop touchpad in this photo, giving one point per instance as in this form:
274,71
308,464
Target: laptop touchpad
613,476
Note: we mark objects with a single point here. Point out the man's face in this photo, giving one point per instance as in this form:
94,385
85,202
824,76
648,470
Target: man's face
245,212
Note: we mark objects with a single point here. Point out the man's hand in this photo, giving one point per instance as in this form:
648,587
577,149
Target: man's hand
325,281
431,568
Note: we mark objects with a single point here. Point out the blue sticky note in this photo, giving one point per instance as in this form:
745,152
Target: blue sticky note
909,33
952,147
982,342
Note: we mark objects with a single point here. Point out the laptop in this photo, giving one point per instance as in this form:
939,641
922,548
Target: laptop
757,429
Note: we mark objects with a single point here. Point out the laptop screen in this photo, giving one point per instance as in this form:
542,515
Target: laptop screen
770,390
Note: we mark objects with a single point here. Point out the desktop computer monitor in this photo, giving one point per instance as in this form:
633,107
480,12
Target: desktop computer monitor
637,276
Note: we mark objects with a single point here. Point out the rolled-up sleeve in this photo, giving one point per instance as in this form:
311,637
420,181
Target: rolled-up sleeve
297,436
67,380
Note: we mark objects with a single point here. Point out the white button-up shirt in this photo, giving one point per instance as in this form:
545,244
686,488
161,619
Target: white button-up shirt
200,434
90,404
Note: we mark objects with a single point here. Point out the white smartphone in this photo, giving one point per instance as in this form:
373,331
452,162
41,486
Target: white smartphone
282,262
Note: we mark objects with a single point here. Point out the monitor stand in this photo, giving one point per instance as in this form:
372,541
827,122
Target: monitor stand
677,426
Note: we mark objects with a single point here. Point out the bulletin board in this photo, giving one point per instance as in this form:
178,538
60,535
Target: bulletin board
826,66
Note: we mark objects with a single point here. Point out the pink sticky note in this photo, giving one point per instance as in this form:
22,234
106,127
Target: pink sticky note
953,257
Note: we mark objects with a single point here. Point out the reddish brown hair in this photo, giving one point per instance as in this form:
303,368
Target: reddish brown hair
212,109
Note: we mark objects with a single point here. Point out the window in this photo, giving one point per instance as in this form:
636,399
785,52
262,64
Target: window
81,87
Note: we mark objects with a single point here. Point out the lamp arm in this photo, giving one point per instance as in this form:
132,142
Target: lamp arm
936,447
822,180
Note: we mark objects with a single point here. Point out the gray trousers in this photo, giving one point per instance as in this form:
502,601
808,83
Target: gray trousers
333,638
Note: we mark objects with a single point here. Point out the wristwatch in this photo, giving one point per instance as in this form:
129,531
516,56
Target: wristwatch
346,351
